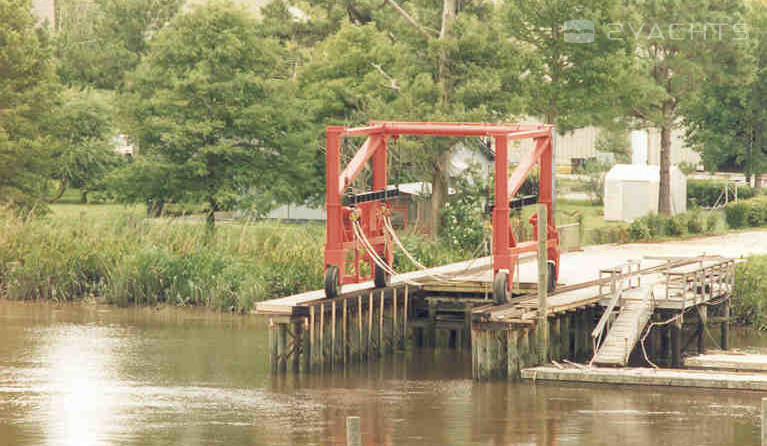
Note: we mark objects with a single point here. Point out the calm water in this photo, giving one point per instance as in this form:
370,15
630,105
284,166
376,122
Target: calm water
82,376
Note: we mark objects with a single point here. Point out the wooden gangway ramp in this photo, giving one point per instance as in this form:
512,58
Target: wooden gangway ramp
635,313
630,314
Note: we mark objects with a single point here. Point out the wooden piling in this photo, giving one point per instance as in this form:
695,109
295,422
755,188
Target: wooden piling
523,345
676,343
542,328
353,436
312,352
726,324
369,347
298,345
273,351
578,338
430,334
566,333
512,351
360,333
702,320
282,347
322,356
345,331
588,317
554,340
475,353
405,317
395,332
381,326
333,356
491,358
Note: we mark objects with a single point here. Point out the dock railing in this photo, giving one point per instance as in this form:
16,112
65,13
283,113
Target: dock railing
621,277
703,283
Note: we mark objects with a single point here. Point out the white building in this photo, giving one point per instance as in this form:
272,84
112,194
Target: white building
631,191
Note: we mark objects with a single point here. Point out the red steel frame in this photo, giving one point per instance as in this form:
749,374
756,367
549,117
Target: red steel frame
340,242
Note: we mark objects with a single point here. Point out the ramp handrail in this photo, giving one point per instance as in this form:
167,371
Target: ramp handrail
618,276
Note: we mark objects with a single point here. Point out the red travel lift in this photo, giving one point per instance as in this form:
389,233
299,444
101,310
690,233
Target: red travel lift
368,210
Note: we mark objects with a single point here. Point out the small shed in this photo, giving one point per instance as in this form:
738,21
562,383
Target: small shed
631,191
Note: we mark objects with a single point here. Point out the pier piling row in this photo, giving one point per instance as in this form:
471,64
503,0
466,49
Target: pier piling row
323,335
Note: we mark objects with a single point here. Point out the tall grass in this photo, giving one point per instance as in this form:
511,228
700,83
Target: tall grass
126,259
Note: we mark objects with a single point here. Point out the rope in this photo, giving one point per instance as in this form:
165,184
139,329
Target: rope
360,235
419,265
647,332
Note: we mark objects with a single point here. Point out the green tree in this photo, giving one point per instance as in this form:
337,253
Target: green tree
673,63
81,132
726,123
27,89
98,41
212,109
570,84
614,139
418,60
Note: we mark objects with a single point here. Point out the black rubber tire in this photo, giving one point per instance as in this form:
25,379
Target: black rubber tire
501,288
381,278
552,277
331,282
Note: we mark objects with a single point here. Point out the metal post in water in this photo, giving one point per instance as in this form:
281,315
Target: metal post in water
353,437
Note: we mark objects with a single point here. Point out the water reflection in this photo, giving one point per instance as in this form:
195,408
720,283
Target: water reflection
79,379
94,375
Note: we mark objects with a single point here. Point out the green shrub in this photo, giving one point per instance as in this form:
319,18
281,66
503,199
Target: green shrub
706,192
607,234
695,223
713,222
751,212
676,225
639,230
463,216
735,214
749,302
654,227
656,224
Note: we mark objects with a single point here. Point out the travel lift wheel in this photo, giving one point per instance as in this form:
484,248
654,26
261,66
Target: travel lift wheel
501,287
552,277
331,282
381,278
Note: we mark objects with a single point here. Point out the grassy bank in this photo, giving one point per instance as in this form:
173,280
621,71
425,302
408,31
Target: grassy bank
114,254
111,253
749,303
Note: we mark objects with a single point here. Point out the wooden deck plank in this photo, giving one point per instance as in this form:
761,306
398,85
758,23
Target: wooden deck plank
646,376
721,360
285,305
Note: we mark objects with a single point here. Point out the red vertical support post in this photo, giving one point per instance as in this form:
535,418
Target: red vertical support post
334,252
501,256
379,162
380,180
546,196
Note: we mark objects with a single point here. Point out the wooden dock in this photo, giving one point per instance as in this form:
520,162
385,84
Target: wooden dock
299,304
649,376
452,307
731,361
